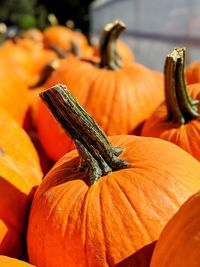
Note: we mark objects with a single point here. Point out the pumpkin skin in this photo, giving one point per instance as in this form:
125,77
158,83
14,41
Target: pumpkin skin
114,221
192,73
62,37
119,100
185,136
12,87
177,120
184,249
20,172
19,60
12,262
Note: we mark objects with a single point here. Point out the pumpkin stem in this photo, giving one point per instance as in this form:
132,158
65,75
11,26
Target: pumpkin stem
59,51
108,52
98,156
46,73
181,108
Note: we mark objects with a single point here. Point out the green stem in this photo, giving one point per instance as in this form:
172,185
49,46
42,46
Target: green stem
108,52
98,156
181,108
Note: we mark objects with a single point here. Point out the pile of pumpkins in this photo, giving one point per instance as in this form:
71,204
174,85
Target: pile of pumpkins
99,155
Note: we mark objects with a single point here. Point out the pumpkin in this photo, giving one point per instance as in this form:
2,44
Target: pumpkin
19,60
192,73
107,206
12,262
64,38
178,244
20,173
177,120
13,88
118,97
33,34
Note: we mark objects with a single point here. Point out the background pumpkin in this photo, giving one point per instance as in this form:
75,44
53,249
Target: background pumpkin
177,120
178,244
12,262
100,207
118,97
19,173
192,73
14,95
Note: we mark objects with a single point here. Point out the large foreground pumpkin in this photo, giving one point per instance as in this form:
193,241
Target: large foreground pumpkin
98,209
179,243
19,173
178,119
12,262
118,97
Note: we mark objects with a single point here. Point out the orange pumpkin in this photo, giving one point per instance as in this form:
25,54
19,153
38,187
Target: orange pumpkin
12,262
63,37
178,120
118,97
14,95
33,34
178,244
19,59
98,209
20,172
192,73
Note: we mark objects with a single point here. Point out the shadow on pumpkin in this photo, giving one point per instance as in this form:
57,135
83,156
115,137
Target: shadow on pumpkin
141,258
14,210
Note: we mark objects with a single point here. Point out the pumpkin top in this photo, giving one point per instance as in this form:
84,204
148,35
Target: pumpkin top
180,107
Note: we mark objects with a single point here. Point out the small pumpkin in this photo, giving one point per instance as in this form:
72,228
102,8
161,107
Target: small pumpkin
177,120
118,97
20,173
178,244
108,205
12,262
19,59
63,37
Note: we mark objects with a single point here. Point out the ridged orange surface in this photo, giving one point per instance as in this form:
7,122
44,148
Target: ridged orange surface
179,243
186,136
115,221
118,100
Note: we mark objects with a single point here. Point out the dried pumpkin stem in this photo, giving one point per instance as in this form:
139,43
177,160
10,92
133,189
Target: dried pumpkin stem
108,52
46,73
181,108
98,156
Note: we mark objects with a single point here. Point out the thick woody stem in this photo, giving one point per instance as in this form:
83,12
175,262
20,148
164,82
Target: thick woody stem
108,52
181,107
98,156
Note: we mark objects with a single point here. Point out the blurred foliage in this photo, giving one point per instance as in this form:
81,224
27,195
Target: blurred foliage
23,13
33,13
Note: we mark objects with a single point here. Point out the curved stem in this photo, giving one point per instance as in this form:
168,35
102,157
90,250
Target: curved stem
181,108
108,53
46,73
97,155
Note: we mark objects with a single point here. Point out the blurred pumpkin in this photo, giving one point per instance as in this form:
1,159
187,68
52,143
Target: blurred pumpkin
14,97
20,173
12,262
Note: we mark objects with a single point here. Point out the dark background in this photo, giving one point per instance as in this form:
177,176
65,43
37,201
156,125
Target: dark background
33,13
